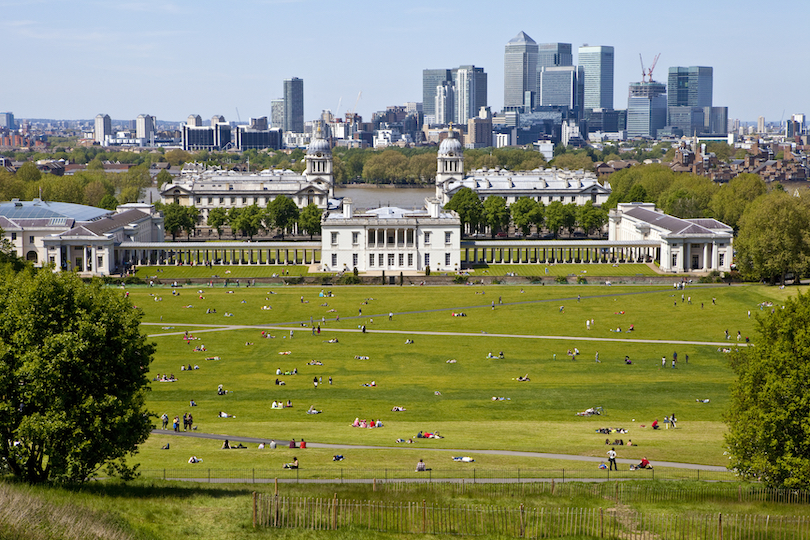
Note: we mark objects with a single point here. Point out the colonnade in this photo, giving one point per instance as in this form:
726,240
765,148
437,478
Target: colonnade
495,253
391,237
207,254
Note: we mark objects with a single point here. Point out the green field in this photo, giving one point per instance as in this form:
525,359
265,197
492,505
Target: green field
538,416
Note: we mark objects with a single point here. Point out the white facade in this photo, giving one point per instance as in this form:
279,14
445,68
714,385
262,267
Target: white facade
207,188
701,244
391,240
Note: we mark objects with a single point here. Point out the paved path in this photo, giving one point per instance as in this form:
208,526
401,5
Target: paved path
455,451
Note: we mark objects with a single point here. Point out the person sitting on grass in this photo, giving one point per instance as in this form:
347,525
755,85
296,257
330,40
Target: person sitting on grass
194,459
293,465
421,467
655,424
226,445
644,464
223,414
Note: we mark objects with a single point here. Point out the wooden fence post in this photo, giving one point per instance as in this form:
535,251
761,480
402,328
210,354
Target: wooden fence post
373,484
334,513
552,486
720,526
601,523
424,516
522,523
255,505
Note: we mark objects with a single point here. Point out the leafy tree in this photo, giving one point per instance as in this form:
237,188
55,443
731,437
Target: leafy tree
523,211
190,223
109,202
9,261
164,177
73,376
573,161
774,237
721,150
637,194
28,172
570,217
590,217
469,207
387,166
248,220
496,214
217,218
688,196
555,217
767,436
310,219
94,193
96,164
731,200
177,157
175,219
282,213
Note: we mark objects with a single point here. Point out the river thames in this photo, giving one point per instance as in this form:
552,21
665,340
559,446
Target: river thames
365,197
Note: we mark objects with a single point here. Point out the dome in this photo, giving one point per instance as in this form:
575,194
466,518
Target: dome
319,147
451,146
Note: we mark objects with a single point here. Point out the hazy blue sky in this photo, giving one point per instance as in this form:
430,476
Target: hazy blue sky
74,59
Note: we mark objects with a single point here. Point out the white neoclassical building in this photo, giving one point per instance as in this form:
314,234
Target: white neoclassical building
391,239
700,244
212,187
77,237
542,185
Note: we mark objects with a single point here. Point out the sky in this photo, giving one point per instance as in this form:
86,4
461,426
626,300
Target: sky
171,58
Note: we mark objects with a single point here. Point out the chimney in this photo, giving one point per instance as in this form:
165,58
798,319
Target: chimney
348,210
433,207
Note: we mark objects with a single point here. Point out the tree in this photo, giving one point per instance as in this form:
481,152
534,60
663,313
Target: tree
523,211
469,207
164,177
217,217
282,213
310,219
248,220
555,217
175,219
28,172
767,436
108,202
73,376
573,161
591,217
190,223
731,200
774,237
496,214
570,217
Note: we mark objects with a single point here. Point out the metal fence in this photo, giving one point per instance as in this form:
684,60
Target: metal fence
517,521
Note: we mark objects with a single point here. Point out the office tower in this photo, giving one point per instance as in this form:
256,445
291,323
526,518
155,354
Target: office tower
145,126
103,128
7,120
646,109
553,55
444,103
715,120
194,120
294,105
689,87
761,124
431,79
519,71
471,92
597,65
557,87
277,113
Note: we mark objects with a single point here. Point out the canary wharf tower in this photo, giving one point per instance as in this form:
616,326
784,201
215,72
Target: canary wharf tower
519,71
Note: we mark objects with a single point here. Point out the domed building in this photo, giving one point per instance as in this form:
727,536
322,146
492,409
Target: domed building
213,187
542,185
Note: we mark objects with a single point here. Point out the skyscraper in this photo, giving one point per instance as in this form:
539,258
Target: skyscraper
431,79
471,92
145,126
554,54
294,105
444,103
103,128
557,86
7,120
597,64
646,109
519,70
689,92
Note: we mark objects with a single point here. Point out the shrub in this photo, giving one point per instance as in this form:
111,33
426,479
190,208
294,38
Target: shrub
427,270
294,280
496,281
581,280
348,279
354,271
460,279
561,279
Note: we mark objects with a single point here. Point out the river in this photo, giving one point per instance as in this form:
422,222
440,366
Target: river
364,196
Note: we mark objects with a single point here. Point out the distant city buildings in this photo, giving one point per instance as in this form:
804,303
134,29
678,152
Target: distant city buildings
103,129
520,72
646,109
7,121
453,95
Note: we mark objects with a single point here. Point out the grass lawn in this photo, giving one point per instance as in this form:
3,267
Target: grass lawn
586,271
539,415
231,272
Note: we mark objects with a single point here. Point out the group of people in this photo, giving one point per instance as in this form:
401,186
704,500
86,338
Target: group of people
281,404
364,424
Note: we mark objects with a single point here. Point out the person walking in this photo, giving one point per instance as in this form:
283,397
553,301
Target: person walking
612,459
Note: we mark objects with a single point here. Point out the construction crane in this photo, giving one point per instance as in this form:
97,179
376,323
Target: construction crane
648,72
359,94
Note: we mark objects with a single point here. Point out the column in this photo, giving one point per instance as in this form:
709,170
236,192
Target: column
687,250
705,256
715,257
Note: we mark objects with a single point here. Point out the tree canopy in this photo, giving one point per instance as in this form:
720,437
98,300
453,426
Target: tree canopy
496,214
73,376
469,207
282,213
768,435
310,219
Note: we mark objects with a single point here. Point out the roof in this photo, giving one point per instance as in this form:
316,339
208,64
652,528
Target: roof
522,38
45,209
678,226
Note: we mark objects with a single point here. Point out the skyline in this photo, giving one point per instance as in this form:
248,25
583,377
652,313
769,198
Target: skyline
71,61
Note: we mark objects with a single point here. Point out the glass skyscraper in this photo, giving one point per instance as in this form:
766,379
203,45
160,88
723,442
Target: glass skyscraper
554,54
597,65
646,109
519,70
431,79
294,105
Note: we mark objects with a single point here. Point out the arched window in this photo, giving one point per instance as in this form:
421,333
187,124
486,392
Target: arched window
31,256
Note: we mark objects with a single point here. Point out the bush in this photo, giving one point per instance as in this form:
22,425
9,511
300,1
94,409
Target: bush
427,270
326,280
294,280
348,279
496,281
460,279
561,279
581,280
354,271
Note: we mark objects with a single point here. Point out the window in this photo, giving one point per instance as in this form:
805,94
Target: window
372,237
721,259
30,239
410,259
402,259
381,259
447,237
100,261
573,199
210,200
390,259
244,200
198,200
674,260
334,238
427,238
355,258
371,260
221,200
447,259
355,238
334,260
13,236
427,259
233,200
